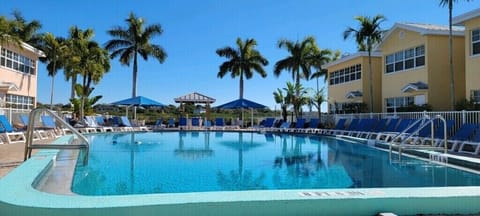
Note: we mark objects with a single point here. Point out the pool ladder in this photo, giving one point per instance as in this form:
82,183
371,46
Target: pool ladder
424,122
80,143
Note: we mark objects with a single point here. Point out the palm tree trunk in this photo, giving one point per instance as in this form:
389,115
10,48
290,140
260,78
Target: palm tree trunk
370,78
51,93
241,85
74,82
135,72
450,47
53,83
296,105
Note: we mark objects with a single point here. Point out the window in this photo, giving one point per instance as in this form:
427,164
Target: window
399,61
405,59
409,58
393,103
19,102
16,62
346,74
420,56
476,42
475,94
389,63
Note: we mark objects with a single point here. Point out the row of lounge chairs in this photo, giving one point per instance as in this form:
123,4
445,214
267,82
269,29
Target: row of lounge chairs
48,129
465,139
195,123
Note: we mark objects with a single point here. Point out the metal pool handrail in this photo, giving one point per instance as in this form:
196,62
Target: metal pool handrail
29,146
426,120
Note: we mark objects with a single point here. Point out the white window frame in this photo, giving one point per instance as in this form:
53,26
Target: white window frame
16,61
341,74
475,95
477,41
400,57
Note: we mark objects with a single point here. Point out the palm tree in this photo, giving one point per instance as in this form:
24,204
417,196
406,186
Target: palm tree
93,65
52,47
77,42
282,100
367,35
6,32
322,57
299,62
444,3
296,95
135,40
317,99
243,61
26,31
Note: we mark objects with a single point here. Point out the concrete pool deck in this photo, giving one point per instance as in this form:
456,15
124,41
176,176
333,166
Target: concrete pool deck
11,156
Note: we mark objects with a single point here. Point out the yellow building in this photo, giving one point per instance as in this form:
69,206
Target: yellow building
416,69
349,83
18,76
471,21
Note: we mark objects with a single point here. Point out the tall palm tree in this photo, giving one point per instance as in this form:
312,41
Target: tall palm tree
449,3
367,35
135,40
52,47
299,63
242,61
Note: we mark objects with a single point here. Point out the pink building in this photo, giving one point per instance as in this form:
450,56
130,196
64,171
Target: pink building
18,76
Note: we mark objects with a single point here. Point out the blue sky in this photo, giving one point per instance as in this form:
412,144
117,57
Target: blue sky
193,30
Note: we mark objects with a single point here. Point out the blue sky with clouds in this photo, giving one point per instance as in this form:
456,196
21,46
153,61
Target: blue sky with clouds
193,30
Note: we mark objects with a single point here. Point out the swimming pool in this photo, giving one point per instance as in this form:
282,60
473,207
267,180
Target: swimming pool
20,196
179,162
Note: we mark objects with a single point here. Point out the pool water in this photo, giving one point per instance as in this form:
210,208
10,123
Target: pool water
177,162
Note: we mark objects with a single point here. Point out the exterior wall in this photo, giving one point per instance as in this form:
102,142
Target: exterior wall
437,53
337,93
26,83
472,63
392,83
435,72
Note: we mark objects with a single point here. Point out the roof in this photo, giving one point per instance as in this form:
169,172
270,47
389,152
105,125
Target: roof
413,87
30,48
423,29
350,57
8,86
194,97
460,19
353,94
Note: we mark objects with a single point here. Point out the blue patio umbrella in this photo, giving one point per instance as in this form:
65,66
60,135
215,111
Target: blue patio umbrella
139,101
242,103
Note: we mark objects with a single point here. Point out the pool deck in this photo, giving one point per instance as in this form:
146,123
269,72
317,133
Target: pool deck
11,156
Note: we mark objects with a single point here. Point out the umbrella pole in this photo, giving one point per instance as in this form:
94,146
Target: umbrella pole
135,113
251,123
